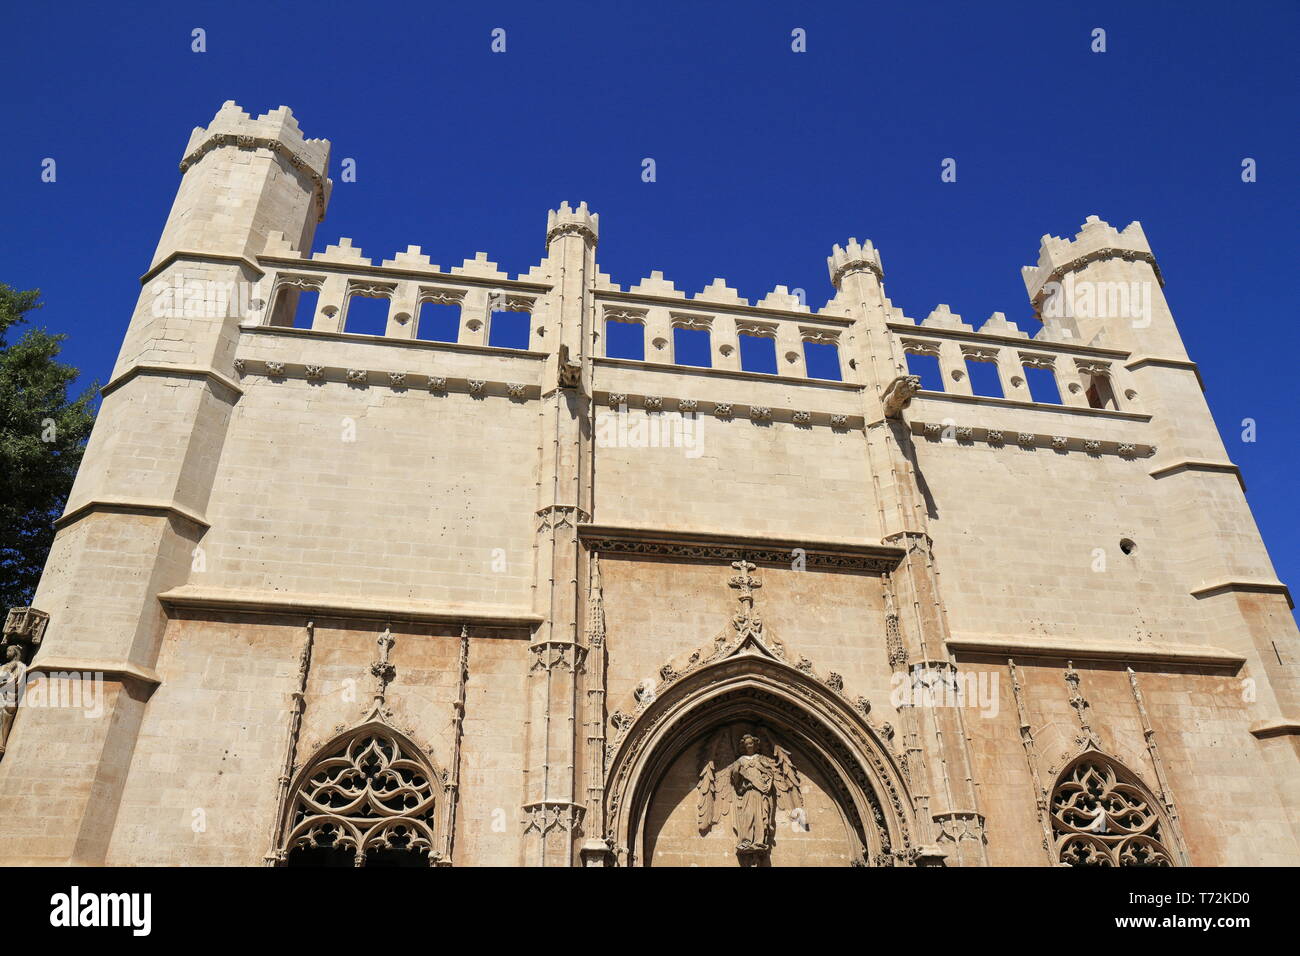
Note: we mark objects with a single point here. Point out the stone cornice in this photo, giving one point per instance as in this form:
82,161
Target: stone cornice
378,609
1037,406
726,373
821,554
111,670
852,257
1199,464
120,505
1277,727
1255,587
1141,361
398,381
196,256
1007,437
581,230
1085,649
166,371
858,264
727,411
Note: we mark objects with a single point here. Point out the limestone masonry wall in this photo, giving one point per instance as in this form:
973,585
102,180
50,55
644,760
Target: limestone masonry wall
367,599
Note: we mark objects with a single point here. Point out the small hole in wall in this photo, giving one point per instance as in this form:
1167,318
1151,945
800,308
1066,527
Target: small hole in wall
1127,545
1130,394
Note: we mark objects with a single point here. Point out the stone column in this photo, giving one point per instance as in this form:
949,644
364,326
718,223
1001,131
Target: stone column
553,808
917,627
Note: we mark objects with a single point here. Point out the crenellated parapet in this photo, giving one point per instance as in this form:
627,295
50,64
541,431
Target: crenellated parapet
276,130
854,257
1096,240
567,221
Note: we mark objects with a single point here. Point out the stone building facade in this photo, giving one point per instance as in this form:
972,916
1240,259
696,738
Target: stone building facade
360,599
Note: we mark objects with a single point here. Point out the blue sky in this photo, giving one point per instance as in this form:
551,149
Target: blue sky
764,157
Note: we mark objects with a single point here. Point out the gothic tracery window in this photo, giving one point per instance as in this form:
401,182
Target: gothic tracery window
1101,819
369,800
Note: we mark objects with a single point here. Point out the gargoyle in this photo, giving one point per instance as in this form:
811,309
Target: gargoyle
570,373
899,393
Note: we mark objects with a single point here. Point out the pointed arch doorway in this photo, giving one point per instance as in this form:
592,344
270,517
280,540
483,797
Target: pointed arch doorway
816,785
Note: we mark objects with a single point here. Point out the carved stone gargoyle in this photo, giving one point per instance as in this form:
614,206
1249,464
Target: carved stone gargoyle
899,393
570,372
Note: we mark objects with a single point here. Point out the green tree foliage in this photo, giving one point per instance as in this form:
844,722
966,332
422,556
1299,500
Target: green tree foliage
42,437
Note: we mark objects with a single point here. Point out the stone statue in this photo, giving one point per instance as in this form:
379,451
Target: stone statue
750,786
753,776
12,676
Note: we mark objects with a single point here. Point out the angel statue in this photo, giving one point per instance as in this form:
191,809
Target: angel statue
750,786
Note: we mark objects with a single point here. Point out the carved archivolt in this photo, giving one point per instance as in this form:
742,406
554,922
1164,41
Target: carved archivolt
1103,816
370,788
749,683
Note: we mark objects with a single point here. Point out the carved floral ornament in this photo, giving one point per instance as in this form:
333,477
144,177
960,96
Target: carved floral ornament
819,336
625,315
571,228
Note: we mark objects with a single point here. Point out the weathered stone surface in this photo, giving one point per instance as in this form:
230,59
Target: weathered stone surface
551,592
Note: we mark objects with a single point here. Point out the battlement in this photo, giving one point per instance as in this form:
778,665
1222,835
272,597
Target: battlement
567,221
232,124
1096,239
853,258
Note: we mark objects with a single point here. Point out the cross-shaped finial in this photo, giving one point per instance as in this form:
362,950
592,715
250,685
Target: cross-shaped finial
744,582
745,620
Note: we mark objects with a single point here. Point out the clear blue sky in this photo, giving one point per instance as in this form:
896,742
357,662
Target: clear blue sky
765,158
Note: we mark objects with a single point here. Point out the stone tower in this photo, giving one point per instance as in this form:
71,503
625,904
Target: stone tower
417,598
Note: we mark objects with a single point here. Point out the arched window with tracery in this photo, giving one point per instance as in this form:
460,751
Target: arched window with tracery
1103,816
368,798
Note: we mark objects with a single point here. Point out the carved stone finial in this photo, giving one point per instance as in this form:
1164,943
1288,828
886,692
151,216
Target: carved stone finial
1088,736
383,670
746,619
